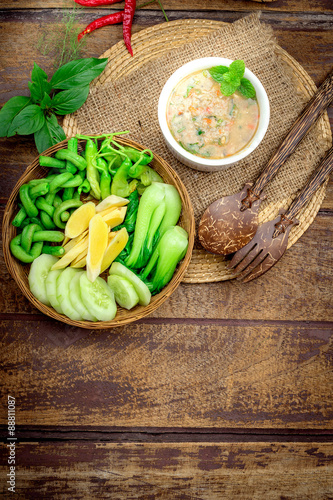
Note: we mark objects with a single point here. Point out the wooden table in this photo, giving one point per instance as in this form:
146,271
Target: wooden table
224,392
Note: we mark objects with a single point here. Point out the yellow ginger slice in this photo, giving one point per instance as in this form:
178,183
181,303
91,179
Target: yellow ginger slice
72,242
111,201
81,259
114,217
115,246
71,254
98,240
79,220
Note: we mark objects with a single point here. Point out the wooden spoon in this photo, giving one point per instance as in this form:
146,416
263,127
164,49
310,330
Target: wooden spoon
231,222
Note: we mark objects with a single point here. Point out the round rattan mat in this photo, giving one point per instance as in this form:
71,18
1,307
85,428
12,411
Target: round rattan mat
153,42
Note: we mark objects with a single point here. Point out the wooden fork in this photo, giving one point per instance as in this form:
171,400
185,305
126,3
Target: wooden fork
271,238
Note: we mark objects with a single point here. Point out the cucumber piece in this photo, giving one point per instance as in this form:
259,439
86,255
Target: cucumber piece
140,287
39,270
51,289
63,293
76,299
98,298
124,291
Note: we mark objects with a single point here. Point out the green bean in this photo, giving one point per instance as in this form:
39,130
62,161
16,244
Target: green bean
27,235
35,182
59,180
42,205
39,190
53,236
57,251
76,195
57,201
49,161
65,216
72,146
22,255
75,182
68,193
27,203
47,221
65,205
19,217
49,198
75,158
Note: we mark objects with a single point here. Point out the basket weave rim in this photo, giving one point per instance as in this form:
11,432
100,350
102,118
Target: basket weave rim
19,271
154,41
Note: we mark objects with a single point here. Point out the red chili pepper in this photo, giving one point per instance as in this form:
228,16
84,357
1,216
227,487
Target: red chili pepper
94,3
127,23
115,18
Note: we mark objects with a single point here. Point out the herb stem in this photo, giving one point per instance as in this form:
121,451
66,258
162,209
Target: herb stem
160,4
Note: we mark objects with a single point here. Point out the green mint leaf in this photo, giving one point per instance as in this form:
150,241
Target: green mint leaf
232,80
9,110
46,101
50,134
68,101
247,89
77,73
228,88
39,84
237,68
217,72
28,121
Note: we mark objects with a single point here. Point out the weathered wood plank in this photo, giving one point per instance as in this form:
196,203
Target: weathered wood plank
170,374
190,471
195,5
298,288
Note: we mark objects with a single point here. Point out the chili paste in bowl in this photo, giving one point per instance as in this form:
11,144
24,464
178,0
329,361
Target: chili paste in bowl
204,128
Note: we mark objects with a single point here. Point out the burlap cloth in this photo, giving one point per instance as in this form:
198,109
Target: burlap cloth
130,103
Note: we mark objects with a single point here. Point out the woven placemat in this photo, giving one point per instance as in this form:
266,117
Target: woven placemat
125,96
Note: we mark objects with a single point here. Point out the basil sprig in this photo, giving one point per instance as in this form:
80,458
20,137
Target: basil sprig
232,78
65,93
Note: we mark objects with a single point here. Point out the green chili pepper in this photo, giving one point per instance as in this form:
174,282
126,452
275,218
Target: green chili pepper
120,186
150,175
57,251
59,181
49,161
68,193
105,178
35,182
70,168
47,221
92,172
72,183
22,255
65,205
138,156
42,205
57,201
50,197
75,158
53,236
27,235
19,217
65,216
84,187
27,203
39,190
76,195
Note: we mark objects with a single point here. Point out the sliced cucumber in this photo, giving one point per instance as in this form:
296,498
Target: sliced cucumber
124,291
63,293
140,287
51,289
38,273
76,299
98,298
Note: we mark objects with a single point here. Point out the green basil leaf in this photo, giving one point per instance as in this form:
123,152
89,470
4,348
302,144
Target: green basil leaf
68,101
9,110
39,84
46,101
28,121
77,73
217,72
237,68
50,134
247,89
228,88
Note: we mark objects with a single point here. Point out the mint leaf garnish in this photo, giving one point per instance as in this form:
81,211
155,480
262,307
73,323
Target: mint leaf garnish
246,89
237,68
228,88
217,72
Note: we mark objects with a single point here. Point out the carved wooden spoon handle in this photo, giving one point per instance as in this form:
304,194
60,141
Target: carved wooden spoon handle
315,107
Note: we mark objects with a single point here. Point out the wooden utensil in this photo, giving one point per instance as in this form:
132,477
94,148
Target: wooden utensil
231,222
271,238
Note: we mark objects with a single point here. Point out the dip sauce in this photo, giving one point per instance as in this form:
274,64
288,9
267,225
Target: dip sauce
205,122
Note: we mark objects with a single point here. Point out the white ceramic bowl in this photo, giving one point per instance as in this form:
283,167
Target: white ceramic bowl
194,161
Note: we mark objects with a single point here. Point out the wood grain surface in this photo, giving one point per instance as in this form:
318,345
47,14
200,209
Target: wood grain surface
226,390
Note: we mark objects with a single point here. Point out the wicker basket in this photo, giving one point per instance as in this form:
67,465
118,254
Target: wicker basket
20,271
